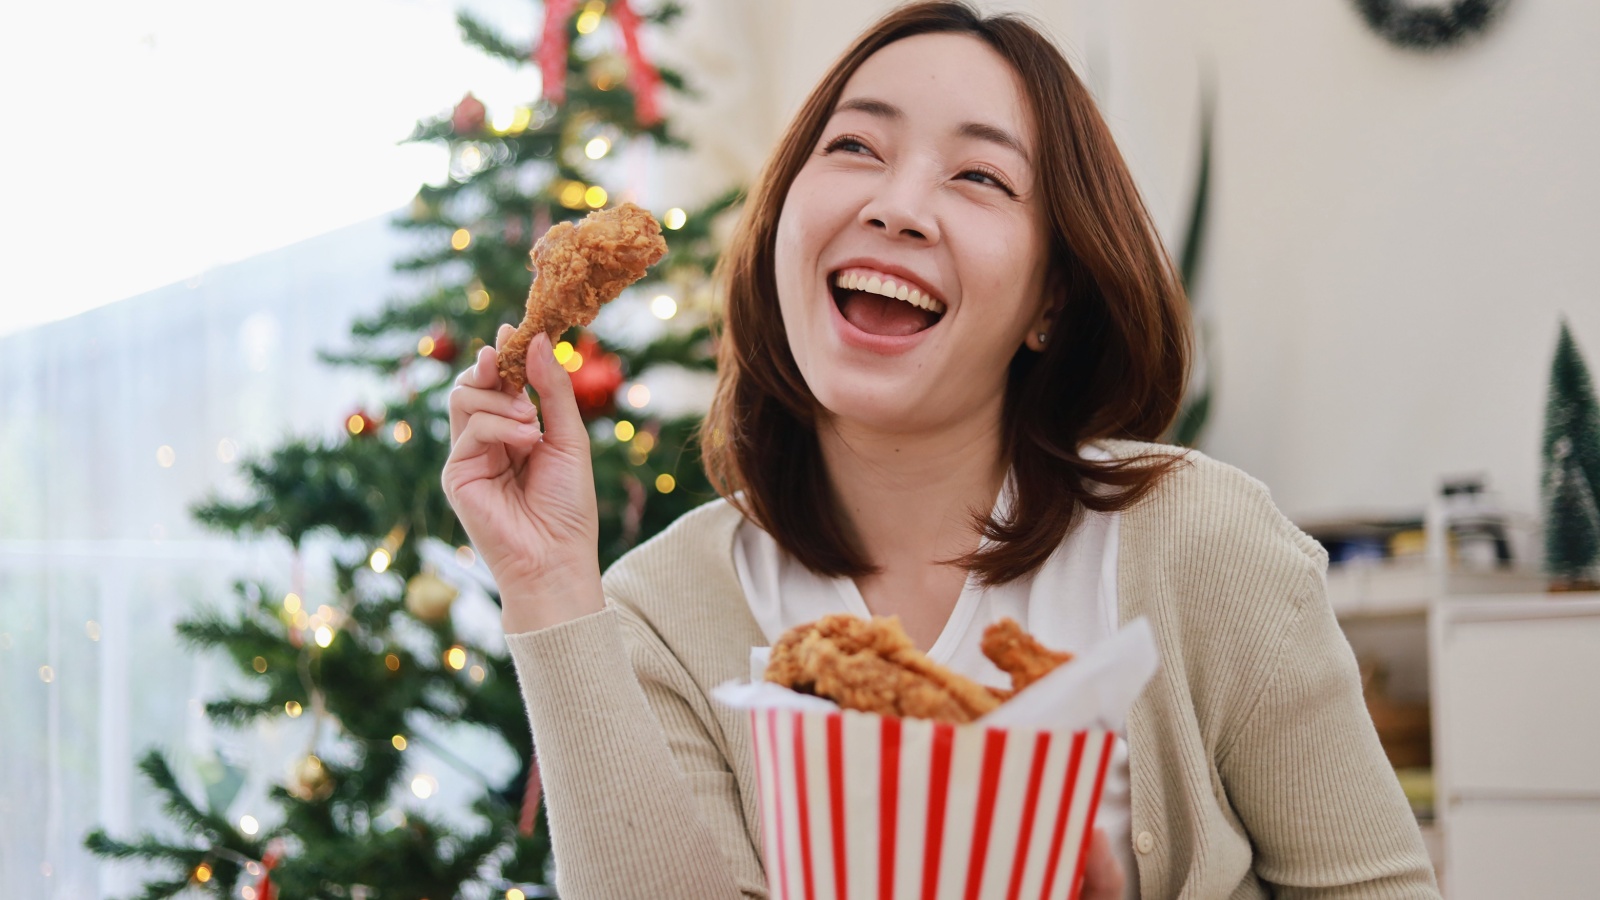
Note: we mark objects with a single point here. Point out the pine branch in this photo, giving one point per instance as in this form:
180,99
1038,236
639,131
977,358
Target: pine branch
663,14
477,33
688,349
175,801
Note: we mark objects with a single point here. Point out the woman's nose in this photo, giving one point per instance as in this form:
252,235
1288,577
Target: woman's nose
901,210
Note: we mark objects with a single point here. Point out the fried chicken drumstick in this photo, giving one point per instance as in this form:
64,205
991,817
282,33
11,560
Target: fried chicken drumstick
872,666
1016,653
577,269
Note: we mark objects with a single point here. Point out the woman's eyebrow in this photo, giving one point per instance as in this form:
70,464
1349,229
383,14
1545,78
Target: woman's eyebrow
982,131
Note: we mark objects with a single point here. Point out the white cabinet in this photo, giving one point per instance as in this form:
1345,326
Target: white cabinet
1516,737
1512,679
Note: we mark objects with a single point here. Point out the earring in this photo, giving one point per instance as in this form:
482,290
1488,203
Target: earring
1043,335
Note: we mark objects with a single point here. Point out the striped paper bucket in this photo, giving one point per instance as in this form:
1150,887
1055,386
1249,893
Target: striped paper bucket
855,805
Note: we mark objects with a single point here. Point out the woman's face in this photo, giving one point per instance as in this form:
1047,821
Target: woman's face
922,187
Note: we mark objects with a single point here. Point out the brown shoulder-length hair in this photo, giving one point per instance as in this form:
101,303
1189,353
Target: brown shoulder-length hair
1115,366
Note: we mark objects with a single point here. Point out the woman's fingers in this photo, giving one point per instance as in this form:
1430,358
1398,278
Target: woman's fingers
466,402
563,424
479,374
487,446
1102,874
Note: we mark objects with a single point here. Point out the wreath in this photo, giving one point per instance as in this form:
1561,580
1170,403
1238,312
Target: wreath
1428,27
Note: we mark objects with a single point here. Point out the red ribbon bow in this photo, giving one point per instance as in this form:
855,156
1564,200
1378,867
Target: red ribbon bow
551,55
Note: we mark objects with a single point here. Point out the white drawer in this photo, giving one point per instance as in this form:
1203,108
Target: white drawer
1517,700
1500,850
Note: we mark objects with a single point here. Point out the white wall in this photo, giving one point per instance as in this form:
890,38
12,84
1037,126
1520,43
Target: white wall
1393,235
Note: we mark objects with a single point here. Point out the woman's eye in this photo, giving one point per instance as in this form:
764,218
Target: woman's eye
980,176
846,143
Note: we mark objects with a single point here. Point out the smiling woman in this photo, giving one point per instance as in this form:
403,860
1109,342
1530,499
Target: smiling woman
951,333
924,159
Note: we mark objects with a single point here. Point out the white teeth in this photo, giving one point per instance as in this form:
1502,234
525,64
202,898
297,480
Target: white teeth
889,288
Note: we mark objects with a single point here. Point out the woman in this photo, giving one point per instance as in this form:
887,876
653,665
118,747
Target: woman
949,324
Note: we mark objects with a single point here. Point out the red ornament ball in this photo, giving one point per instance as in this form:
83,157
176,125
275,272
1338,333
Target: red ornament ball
468,116
444,348
595,382
361,425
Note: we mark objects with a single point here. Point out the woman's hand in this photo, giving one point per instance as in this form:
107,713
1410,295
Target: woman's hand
525,496
1102,874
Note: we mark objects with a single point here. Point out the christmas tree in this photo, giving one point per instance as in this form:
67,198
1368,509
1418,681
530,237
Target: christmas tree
1571,456
378,652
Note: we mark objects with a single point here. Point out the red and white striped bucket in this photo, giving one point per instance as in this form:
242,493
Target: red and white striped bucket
855,805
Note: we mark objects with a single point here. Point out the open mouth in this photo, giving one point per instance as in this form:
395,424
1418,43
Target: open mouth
880,304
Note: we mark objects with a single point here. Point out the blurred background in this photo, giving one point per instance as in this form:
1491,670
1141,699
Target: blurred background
244,267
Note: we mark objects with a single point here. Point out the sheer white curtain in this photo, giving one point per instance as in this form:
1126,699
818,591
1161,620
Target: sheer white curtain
111,425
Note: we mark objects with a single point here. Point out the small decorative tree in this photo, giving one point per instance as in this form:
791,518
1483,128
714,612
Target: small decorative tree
1571,456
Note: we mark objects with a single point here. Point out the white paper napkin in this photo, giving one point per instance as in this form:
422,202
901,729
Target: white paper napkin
1094,690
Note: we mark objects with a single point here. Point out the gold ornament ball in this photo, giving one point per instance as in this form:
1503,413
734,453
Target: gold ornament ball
311,780
606,71
428,597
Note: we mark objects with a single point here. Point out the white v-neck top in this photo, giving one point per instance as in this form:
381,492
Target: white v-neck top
1069,603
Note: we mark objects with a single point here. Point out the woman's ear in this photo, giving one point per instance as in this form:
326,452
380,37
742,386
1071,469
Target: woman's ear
1039,330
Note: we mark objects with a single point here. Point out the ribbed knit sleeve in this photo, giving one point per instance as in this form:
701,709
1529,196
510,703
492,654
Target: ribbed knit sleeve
641,800
1308,778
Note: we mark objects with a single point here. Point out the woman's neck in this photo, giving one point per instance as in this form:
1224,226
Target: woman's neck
909,499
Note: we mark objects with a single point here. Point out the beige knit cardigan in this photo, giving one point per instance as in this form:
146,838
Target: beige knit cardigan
1255,770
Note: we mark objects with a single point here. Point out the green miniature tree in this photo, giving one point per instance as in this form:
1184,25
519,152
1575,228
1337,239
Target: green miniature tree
1571,455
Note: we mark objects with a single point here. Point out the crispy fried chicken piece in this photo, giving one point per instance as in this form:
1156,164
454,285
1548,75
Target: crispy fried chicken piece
577,268
1017,654
872,666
